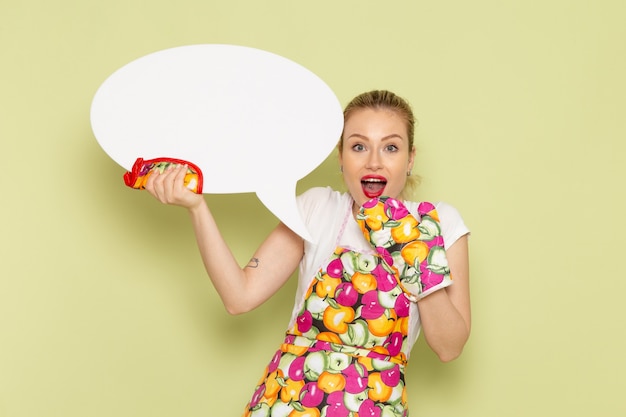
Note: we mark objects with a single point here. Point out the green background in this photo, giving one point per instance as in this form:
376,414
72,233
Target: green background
105,309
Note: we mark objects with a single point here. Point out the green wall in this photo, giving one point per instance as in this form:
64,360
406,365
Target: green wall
104,306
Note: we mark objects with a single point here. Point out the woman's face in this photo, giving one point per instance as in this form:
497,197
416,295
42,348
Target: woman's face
376,155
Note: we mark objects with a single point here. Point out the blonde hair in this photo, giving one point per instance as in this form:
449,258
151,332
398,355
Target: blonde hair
386,100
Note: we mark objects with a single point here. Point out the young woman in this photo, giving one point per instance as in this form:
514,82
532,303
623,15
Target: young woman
380,272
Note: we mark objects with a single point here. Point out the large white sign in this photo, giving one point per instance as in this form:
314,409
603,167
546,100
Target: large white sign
251,120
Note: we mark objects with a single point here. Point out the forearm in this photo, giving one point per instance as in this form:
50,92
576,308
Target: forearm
227,276
243,289
445,329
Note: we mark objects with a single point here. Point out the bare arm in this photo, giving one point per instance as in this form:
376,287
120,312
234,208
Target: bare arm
446,314
241,289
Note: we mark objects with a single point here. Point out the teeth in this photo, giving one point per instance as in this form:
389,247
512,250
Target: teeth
372,180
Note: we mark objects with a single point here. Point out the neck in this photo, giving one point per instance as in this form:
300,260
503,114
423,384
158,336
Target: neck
355,208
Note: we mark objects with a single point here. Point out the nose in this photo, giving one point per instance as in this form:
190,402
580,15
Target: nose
373,160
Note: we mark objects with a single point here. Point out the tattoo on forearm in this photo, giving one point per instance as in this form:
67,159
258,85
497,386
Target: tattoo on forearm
253,263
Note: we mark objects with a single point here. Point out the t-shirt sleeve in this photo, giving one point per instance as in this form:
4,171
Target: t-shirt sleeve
308,199
452,224
313,206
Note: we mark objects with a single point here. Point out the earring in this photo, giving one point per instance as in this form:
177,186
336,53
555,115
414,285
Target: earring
341,168
408,173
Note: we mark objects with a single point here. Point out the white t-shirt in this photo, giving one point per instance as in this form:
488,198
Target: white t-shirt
328,217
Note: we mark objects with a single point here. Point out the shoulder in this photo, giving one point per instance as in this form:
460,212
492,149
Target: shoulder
317,198
447,213
322,209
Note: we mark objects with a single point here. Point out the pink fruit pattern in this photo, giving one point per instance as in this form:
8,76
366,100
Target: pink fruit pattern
346,352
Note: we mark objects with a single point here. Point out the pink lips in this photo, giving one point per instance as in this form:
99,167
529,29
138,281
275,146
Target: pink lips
373,185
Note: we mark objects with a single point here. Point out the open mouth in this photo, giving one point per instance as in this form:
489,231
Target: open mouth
373,186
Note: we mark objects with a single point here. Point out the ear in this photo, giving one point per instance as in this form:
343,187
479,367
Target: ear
411,159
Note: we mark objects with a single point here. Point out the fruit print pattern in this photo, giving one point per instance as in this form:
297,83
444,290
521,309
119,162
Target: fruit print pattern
346,353
415,246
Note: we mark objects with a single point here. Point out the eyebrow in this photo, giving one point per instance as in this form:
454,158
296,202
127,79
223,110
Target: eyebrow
360,136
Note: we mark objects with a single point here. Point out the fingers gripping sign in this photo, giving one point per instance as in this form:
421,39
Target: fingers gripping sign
250,120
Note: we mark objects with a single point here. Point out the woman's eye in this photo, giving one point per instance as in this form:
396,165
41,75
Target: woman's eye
358,147
392,148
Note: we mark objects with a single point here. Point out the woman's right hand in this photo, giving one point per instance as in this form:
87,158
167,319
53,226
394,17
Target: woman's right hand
169,188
